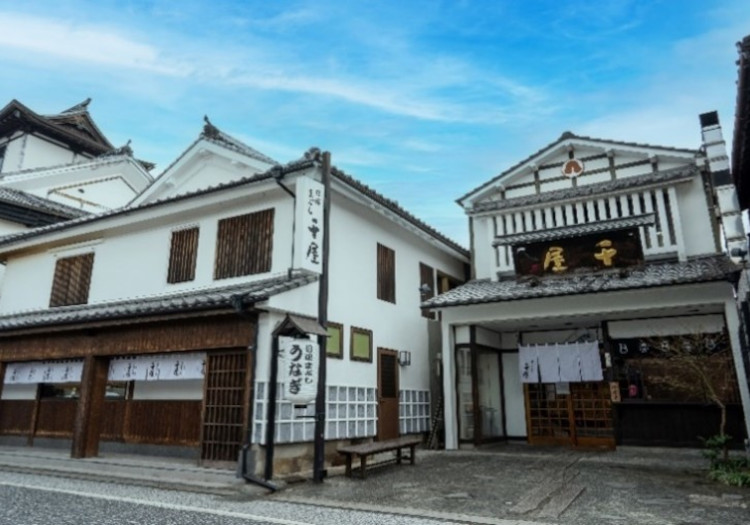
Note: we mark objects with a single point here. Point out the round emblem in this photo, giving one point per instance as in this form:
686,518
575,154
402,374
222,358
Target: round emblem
572,168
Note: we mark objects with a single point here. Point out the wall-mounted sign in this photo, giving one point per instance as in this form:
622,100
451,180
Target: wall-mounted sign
298,367
664,346
572,168
308,228
615,249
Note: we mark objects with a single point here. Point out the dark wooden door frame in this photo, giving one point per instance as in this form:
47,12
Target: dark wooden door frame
381,403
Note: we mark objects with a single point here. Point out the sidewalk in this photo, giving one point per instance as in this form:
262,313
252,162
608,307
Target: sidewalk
488,485
167,473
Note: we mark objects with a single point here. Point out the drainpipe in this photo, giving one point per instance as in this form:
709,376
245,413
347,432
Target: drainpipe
278,175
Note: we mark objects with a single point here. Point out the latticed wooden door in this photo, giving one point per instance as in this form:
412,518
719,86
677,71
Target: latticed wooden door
225,405
579,415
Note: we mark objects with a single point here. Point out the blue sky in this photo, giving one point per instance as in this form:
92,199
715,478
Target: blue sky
422,100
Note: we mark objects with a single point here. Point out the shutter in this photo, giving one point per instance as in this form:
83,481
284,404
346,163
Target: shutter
72,280
244,245
386,274
183,255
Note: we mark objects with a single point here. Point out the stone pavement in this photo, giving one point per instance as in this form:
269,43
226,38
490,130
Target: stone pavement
500,485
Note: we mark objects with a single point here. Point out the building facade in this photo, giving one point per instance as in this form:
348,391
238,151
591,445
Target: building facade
592,261
154,327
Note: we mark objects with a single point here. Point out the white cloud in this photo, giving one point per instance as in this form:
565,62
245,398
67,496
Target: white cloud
81,43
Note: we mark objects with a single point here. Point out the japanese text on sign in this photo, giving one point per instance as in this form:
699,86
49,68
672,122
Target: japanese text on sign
309,225
298,364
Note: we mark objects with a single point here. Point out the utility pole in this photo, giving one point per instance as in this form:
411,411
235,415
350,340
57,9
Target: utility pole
320,399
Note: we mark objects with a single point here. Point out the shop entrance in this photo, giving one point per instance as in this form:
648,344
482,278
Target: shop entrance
571,414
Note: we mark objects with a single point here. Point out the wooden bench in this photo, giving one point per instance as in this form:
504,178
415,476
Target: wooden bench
375,447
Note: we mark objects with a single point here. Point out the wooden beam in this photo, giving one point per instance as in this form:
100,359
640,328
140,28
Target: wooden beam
90,407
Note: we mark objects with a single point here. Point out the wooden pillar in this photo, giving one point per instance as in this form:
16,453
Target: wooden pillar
90,407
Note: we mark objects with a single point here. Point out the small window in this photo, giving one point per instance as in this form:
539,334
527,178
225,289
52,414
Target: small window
361,344
386,274
72,280
182,255
335,341
244,245
426,287
2,157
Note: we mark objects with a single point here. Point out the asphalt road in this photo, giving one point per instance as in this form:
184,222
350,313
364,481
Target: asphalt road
41,500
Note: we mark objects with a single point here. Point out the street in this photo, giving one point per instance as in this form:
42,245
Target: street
36,500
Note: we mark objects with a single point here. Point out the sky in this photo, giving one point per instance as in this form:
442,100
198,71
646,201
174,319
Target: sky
422,100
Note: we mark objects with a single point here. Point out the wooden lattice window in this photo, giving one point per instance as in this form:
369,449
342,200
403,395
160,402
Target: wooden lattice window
361,344
72,280
183,255
386,274
426,287
335,340
244,245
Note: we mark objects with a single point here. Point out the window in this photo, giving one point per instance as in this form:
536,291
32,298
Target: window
361,344
182,255
244,244
2,156
72,280
426,287
386,274
335,340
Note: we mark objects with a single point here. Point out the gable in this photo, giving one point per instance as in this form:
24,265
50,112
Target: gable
203,165
594,161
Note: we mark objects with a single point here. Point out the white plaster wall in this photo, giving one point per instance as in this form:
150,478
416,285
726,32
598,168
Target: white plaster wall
520,192
108,186
695,218
515,409
27,282
355,232
695,324
463,334
134,263
8,227
13,154
554,185
488,337
39,153
187,389
19,392
595,178
484,253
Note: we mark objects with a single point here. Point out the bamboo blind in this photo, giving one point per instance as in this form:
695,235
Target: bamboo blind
72,280
183,255
386,274
244,245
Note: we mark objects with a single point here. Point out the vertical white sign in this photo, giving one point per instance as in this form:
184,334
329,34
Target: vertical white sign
308,233
298,369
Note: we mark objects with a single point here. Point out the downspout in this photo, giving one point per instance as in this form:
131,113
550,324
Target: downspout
277,176
239,308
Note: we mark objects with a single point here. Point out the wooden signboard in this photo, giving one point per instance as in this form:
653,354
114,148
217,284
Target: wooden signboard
600,251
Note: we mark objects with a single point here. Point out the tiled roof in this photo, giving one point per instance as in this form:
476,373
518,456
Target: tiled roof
39,204
234,144
277,171
106,159
673,175
567,135
219,297
578,229
697,270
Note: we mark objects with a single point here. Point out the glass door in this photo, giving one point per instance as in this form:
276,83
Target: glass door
490,400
